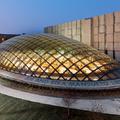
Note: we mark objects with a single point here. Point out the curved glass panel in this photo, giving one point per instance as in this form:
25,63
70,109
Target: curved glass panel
56,57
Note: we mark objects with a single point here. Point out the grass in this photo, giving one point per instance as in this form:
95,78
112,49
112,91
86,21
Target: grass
16,109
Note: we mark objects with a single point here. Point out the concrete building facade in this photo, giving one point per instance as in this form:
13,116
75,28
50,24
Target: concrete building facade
101,32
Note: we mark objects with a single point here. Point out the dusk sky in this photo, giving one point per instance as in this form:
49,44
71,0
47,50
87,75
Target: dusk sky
30,16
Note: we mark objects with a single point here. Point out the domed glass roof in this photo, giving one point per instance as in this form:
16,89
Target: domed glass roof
53,57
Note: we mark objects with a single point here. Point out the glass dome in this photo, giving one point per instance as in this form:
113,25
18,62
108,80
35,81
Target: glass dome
53,57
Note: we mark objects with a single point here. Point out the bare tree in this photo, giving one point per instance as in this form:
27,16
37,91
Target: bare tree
68,101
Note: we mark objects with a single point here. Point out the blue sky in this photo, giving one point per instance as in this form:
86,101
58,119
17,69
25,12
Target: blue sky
30,16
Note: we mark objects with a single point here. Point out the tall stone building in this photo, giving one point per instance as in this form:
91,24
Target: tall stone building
102,32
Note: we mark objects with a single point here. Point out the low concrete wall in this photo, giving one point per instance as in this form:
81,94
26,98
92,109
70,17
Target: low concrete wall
102,104
101,32
105,105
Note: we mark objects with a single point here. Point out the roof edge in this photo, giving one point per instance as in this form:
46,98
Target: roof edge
62,84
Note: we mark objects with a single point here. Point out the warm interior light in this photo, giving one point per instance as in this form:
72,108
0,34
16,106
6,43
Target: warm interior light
48,69
55,59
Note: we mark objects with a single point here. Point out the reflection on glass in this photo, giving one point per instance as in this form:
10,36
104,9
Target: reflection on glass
55,58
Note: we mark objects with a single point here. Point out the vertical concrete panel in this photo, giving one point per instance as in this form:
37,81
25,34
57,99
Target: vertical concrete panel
101,41
62,29
59,29
95,21
102,30
46,30
95,32
69,30
109,44
53,30
117,46
117,17
101,38
74,27
101,20
74,30
66,29
117,37
110,53
109,19
117,54
109,29
117,34
78,30
117,27
86,31
96,41
78,24
56,29
50,29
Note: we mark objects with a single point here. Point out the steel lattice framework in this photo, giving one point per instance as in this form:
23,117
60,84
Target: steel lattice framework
57,58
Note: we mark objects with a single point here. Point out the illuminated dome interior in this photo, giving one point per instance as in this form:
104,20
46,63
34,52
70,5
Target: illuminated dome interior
56,58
